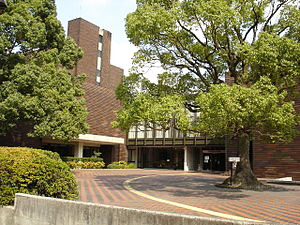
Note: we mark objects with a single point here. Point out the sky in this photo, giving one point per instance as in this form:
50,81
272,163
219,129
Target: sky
107,14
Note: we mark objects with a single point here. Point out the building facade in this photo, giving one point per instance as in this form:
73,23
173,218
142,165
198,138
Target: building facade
100,84
171,149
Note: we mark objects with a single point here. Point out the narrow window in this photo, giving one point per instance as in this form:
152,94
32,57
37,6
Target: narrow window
98,77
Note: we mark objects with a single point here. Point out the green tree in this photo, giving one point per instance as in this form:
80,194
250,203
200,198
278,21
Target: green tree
37,88
254,44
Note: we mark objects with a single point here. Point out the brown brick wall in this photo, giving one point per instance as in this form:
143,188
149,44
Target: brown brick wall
100,99
115,78
120,153
123,155
101,104
277,160
86,36
105,70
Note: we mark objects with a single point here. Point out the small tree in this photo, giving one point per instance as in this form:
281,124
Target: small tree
37,88
198,43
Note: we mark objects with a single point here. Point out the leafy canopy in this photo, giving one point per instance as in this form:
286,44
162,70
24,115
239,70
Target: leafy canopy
236,110
209,39
36,85
254,44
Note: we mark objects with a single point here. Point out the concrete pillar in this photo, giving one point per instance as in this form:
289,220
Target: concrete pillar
188,159
134,156
78,151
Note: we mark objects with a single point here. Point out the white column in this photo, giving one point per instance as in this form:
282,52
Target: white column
188,159
78,151
134,156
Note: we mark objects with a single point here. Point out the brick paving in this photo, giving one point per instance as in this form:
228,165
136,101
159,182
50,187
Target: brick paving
194,189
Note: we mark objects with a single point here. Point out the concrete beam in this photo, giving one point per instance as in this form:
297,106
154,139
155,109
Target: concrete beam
36,210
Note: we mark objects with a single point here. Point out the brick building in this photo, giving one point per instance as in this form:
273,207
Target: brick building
100,86
102,79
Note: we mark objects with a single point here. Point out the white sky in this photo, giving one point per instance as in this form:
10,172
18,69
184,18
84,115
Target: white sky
107,14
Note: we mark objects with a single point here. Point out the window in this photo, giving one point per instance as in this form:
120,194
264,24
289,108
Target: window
168,133
149,132
100,38
100,46
98,77
141,131
131,133
159,132
99,63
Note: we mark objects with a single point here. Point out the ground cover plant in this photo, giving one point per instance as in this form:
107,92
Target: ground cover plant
34,171
121,165
84,163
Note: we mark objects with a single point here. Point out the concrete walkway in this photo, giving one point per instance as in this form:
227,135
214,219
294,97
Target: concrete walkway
187,193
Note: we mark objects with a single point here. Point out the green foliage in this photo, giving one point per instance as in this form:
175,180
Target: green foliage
199,42
254,43
208,39
36,85
34,171
84,159
121,165
84,163
152,110
259,111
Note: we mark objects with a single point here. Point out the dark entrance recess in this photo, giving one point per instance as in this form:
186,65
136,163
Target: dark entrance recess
89,151
62,150
165,158
213,161
106,152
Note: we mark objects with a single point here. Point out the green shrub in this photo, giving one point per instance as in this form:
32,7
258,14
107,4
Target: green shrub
34,171
121,165
85,165
84,159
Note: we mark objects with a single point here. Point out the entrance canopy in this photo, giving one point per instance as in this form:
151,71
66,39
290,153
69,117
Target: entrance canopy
100,139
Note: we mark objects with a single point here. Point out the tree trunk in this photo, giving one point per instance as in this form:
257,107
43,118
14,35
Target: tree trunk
243,177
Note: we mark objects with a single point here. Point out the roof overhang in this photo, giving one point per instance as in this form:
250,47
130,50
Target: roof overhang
90,139
100,139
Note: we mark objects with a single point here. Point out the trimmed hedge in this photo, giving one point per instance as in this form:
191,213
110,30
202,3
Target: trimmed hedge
84,163
121,165
84,159
34,171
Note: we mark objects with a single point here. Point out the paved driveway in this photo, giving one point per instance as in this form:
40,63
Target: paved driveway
187,193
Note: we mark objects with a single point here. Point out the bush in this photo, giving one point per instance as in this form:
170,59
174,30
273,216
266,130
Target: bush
84,163
34,171
121,165
84,159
